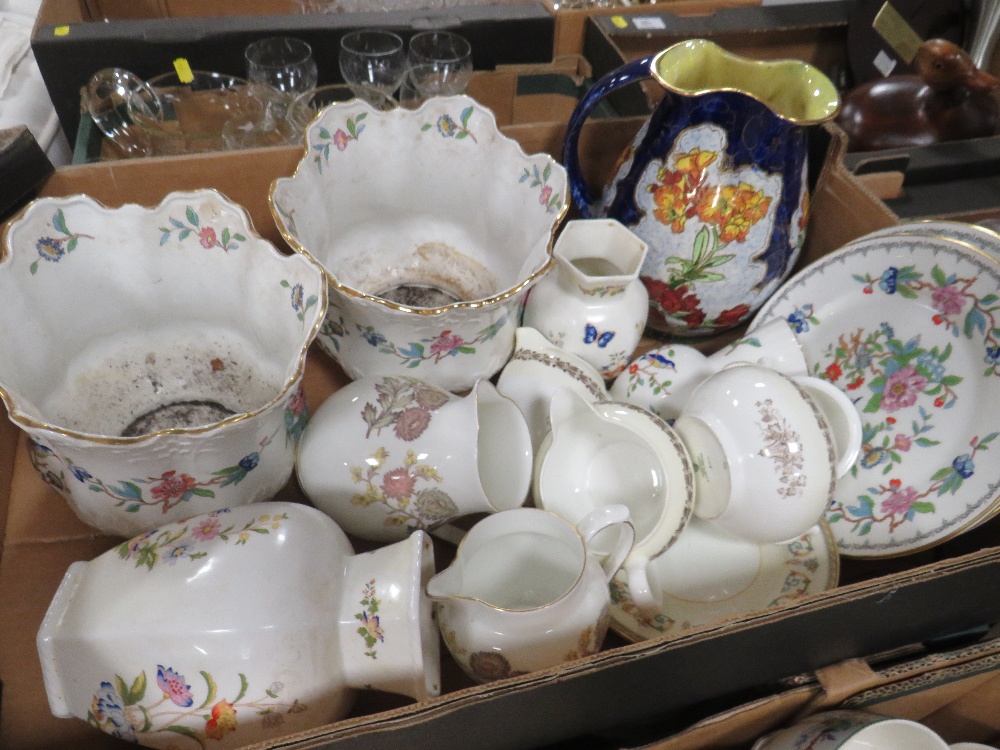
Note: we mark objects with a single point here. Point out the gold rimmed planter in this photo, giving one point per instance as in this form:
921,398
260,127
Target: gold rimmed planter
154,356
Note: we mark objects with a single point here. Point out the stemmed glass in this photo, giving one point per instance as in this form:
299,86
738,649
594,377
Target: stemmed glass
284,65
440,63
372,58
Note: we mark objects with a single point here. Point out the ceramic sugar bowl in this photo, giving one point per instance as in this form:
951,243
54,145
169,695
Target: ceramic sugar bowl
524,594
767,449
236,627
593,304
429,263
386,455
611,453
155,356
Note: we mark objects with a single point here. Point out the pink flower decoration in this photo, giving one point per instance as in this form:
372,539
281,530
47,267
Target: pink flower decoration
543,197
173,687
398,484
445,343
340,139
207,529
207,237
902,442
172,486
902,388
947,300
899,502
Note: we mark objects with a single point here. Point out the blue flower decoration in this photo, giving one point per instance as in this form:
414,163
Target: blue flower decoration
50,248
964,466
888,281
992,355
81,474
249,463
799,321
372,337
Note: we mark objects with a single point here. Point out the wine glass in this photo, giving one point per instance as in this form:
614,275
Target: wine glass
280,68
372,58
442,61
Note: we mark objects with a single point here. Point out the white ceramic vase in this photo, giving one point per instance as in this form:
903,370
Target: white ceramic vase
386,455
237,626
593,303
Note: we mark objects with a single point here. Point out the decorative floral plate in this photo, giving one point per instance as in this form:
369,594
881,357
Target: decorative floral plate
784,572
979,237
909,327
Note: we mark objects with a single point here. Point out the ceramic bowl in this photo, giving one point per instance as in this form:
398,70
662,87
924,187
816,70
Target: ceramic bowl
154,356
428,264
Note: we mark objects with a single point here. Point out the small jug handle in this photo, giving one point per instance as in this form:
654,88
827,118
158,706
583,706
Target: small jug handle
628,73
600,519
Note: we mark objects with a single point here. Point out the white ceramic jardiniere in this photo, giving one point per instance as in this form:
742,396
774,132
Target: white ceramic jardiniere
852,730
537,369
427,264
383,456
611,453
237,626
524,594
767,449
154,356
662,379
593,303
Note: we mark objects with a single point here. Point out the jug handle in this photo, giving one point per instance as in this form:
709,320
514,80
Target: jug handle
600,519
629,73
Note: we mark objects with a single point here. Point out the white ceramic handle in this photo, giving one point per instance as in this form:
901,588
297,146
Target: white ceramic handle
638,585
600,519
841,415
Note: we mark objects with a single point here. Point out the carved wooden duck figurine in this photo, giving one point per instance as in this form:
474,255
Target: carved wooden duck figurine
949,99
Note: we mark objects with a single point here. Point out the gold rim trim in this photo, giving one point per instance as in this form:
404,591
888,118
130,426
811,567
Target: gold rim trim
299,248
765,65
29,423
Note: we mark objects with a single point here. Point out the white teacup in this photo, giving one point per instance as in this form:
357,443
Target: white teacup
612,453
767,449
852,730
970,746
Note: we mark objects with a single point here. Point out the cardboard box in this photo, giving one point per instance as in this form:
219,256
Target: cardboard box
651,688
70,44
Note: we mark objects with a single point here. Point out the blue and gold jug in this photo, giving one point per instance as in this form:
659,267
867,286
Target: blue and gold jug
715,181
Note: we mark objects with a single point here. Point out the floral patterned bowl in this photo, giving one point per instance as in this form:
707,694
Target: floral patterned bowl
431,226
173,386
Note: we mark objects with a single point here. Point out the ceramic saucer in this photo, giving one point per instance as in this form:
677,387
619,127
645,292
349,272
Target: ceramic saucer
708,577
909,327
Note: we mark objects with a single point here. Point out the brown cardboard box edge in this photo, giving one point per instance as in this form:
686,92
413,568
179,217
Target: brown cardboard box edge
841,210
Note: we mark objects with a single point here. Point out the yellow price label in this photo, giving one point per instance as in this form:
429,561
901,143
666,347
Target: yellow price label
60,31
183,70
619,21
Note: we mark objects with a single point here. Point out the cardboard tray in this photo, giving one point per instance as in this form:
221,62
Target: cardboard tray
70,44
652,688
